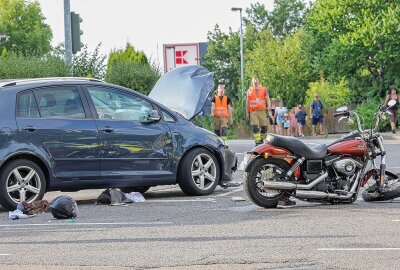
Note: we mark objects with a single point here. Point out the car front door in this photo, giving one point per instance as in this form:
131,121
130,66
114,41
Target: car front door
134,150
58,121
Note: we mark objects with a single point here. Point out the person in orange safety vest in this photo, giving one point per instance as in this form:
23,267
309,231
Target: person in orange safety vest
256,109
221,110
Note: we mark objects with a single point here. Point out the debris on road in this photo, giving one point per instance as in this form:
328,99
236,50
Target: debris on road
116,197
18,214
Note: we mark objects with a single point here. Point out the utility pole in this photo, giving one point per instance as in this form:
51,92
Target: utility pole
67,31
241,47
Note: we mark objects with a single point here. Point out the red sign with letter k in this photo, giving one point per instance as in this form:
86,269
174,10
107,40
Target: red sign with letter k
180,57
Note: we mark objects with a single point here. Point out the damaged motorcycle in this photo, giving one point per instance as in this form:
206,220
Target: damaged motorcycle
334,173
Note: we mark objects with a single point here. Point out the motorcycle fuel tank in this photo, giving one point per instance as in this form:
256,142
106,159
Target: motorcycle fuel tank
357,148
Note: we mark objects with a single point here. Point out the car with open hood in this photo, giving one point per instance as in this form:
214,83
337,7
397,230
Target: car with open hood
75,133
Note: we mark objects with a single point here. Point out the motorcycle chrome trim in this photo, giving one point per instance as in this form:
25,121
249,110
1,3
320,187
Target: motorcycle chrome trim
291,186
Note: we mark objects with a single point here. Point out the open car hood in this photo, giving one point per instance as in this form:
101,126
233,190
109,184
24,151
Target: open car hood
184,89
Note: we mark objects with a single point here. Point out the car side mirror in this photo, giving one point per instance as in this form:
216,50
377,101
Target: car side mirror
391,103
153,116
342,109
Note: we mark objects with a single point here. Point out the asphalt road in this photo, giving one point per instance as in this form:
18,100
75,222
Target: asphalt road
222,231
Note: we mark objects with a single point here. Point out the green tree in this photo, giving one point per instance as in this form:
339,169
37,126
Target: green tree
140,77
23,21
132,69
281,66
286,17
127,55
223,58
18,66
357,40
333,95
85,63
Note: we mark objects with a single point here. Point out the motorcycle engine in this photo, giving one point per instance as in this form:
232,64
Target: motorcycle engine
346,166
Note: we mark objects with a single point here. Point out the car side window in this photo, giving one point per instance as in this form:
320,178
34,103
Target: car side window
60,102
26,105
118,105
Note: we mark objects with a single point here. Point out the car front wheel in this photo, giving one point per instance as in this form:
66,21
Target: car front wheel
21,180
199,172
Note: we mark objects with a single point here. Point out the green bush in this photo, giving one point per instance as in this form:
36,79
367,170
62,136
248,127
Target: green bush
367,111
18,66
140,77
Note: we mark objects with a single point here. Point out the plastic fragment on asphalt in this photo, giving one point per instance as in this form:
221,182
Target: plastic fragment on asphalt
71,220
238,199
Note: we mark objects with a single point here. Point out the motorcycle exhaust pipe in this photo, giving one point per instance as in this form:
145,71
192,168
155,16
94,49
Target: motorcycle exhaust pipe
307,194
291,186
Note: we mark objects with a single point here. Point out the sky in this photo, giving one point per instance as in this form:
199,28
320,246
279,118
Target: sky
145,23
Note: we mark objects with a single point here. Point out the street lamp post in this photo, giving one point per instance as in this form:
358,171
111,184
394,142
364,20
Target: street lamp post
241,46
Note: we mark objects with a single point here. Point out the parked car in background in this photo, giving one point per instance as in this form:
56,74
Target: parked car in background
71,134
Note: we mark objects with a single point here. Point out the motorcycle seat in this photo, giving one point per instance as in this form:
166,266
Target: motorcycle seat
297,146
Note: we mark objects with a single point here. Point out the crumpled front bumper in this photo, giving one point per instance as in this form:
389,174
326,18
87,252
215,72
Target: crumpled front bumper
230,163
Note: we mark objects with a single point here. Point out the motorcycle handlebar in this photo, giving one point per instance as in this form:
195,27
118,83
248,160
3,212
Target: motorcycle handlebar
346,113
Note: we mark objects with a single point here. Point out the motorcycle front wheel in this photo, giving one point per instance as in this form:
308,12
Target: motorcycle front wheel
264,170
391,190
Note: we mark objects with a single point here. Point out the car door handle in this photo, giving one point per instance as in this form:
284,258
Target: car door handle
107,129
29,128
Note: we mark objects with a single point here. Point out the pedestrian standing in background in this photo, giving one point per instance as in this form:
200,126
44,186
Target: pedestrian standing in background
272,119
221,110
301,116
280,117
393,95
256,109
286,125
293,123
316,112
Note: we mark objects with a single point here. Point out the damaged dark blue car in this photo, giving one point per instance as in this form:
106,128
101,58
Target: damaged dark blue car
71,134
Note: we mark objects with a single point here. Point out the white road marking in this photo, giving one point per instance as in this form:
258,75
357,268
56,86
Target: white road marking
396,220
190,200
358,249
4,254
85,224
230,192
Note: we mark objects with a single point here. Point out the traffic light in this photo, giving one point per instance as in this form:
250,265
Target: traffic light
76,32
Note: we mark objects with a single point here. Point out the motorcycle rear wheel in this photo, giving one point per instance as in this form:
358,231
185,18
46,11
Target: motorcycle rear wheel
263,169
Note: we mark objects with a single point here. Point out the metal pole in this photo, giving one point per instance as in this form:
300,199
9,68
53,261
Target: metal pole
67,31
241,52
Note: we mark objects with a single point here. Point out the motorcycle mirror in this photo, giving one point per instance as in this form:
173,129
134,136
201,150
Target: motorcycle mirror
391,103
342,109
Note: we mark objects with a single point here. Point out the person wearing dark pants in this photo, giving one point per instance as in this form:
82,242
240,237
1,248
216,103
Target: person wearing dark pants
256,109
316,112
221,110
393,95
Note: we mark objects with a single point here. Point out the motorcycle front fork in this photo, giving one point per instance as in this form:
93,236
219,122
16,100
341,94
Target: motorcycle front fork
380,182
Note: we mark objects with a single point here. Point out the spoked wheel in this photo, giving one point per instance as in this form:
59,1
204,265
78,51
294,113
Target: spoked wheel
199,172
264,170
21,180
391,189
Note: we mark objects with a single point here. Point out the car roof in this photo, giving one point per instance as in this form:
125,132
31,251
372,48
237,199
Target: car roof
15,82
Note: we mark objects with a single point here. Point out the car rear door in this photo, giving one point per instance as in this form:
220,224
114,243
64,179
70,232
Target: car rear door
133,148
57,120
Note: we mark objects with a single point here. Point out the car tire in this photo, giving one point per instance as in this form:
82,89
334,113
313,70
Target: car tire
21,180
135,189
199,172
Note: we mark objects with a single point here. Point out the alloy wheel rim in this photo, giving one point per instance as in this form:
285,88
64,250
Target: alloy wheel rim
23,184
267,172
204,171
